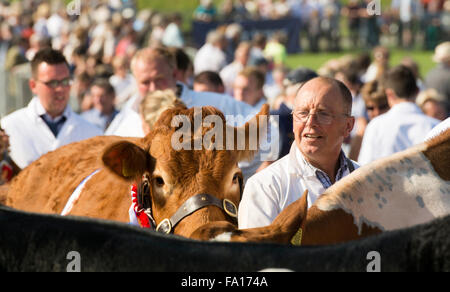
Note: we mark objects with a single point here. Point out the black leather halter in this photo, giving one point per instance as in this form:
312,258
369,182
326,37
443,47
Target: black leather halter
194,204
189,207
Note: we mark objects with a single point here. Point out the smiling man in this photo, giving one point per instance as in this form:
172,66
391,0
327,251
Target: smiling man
47,123
322,121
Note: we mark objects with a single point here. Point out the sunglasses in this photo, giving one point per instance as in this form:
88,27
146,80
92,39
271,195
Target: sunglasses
380,107
56,83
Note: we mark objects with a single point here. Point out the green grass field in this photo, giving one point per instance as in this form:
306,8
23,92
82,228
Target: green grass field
315,61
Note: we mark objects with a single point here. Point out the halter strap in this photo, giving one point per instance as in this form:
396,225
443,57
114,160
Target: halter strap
194,204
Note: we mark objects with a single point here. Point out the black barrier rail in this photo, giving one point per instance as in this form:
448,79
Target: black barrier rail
290,26
33,242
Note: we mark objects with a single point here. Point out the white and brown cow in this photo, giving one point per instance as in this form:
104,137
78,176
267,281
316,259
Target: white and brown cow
402,190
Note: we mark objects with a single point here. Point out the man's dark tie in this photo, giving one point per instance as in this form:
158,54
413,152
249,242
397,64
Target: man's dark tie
55,127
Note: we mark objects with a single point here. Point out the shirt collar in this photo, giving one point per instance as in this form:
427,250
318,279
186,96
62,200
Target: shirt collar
405,107
298,165
40,111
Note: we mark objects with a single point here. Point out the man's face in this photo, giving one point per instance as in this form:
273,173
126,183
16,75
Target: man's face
246,90
153,75
208,87
374,110
102,101
320,135
53,98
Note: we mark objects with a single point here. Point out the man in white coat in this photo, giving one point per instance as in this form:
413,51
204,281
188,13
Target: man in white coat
48,122
154,69
403,126
322,121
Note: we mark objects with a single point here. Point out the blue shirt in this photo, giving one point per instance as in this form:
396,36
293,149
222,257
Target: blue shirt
98,119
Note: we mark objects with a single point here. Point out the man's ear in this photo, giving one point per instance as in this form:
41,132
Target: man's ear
32,84
349,126
391,96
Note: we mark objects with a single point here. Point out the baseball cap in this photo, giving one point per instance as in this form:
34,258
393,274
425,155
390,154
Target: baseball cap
299,75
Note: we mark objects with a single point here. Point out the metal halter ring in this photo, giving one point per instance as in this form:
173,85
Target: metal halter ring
165,226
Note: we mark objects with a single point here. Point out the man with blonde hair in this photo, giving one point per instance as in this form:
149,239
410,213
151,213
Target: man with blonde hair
154,69
433,104
439,77
154,104
231,71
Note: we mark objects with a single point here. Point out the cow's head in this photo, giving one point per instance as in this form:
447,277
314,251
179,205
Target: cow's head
183,158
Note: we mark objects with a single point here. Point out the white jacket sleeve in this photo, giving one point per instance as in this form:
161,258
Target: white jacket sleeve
259,206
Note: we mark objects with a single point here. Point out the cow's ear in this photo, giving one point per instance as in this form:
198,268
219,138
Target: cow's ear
127,160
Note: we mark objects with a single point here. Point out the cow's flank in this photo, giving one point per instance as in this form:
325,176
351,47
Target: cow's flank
46,185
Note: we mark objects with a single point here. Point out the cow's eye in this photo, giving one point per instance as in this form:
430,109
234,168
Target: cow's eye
159,181
237,178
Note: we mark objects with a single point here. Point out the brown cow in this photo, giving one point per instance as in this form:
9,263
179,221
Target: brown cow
402,190
103,181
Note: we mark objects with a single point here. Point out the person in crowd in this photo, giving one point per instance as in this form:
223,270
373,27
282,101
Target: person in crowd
103,98
379,66
275,89
154,69
211,56
403,126
349,76
184,70
159,23
293,81
376,104
375,99
8,169
248,87
206,11
154,104
259,42
439,77
414,67
80,100
231,71
173,37
16,53
407,13
352,12
233,34
209,81
433,104
275,49
322,121
47,123
122,81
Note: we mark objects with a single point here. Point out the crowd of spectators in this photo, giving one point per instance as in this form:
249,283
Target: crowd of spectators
407,22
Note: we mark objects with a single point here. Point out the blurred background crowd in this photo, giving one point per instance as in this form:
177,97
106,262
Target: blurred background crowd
99,38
